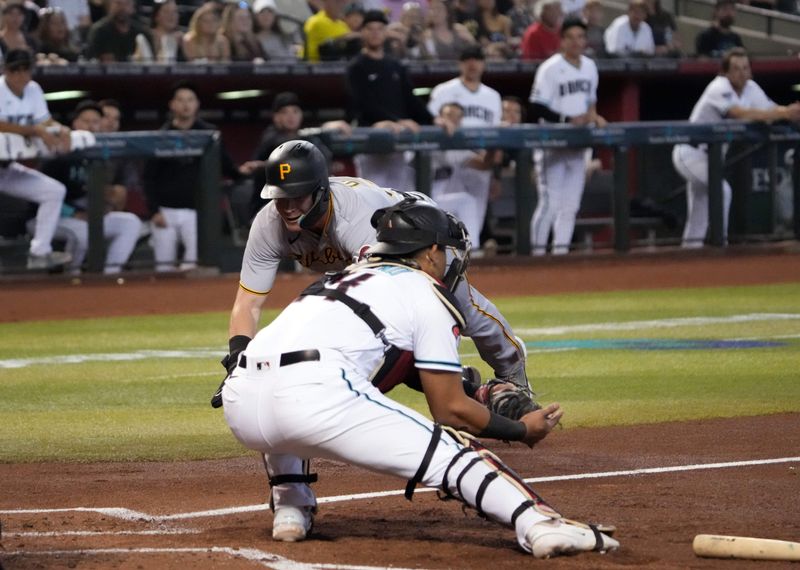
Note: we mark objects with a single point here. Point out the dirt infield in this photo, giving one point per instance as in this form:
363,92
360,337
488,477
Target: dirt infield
660,484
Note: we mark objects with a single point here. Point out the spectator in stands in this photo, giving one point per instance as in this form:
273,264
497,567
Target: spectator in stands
468,190
494,31
114,37
55,40
629,35
12,32
412,21
465,12
165,34
542,39
522,16
23,111
120,228
324,26
718,38
78,17
593,16
665,30
443,39
381,96
203,42
170,186
572,8
275,45
354,16
239,29
731,95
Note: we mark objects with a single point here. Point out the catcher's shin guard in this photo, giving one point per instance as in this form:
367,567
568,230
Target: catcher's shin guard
462,480
305,477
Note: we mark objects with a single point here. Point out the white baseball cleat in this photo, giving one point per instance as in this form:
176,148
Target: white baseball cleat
555,537
291,524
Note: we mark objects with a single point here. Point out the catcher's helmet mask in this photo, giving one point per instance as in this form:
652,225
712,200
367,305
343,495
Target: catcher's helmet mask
413,225
296,169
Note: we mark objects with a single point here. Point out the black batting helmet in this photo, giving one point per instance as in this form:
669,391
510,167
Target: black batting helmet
294,169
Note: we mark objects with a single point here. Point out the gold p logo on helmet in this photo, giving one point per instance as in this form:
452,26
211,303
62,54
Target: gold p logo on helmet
284,168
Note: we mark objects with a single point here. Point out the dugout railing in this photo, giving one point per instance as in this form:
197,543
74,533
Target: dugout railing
520,140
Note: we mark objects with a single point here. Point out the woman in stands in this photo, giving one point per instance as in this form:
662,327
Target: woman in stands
55,41
238,28
275,45
12,32
443,38
204,42
166,35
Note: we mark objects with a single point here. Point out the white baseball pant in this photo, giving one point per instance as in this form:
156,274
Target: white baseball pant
465,195
181,228
31,185
692,164
560,179
121,228
324,409
386,170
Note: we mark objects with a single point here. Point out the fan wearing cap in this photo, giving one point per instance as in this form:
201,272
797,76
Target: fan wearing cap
24,111
381,96
564,91
276,45
467,195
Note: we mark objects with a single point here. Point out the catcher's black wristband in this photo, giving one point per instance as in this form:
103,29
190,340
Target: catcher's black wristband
503,428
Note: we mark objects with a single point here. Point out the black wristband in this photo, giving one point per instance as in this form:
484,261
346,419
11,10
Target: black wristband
237,344
500,427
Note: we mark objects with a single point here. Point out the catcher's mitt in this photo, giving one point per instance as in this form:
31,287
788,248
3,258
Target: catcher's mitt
506,398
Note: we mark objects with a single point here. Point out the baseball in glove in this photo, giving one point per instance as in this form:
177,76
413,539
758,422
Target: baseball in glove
506,398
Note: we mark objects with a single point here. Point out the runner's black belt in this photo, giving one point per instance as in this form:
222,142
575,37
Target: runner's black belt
289,358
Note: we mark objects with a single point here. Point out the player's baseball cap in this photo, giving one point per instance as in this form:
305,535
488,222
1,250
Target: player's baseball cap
18,59
285,99
471,52
375,16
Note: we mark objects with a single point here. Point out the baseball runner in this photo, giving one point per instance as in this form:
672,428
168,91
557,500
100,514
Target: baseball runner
468,192
732,94
23,111
302,386
564,91
324,224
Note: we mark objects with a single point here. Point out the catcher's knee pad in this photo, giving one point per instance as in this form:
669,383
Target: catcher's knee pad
472,472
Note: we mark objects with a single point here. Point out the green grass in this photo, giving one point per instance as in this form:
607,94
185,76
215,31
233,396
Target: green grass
157,408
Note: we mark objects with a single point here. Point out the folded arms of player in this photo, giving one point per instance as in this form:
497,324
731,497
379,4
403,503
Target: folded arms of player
450,406
776,113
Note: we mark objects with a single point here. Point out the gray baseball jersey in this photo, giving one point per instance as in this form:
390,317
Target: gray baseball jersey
348,231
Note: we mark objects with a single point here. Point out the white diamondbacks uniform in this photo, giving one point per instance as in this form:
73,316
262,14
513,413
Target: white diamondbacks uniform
569,91
23,182
466,193
620,39
329,408
691,162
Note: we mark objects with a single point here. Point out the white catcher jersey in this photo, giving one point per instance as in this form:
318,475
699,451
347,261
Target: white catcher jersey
720,97
402,298
353,201
564,88
482,108
30,109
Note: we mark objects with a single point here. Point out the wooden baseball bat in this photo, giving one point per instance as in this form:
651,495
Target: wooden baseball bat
718,546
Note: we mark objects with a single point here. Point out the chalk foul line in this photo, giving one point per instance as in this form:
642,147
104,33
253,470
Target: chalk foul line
130,515
266,559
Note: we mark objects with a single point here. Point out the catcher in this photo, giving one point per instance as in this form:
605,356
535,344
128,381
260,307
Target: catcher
324,224
302,386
